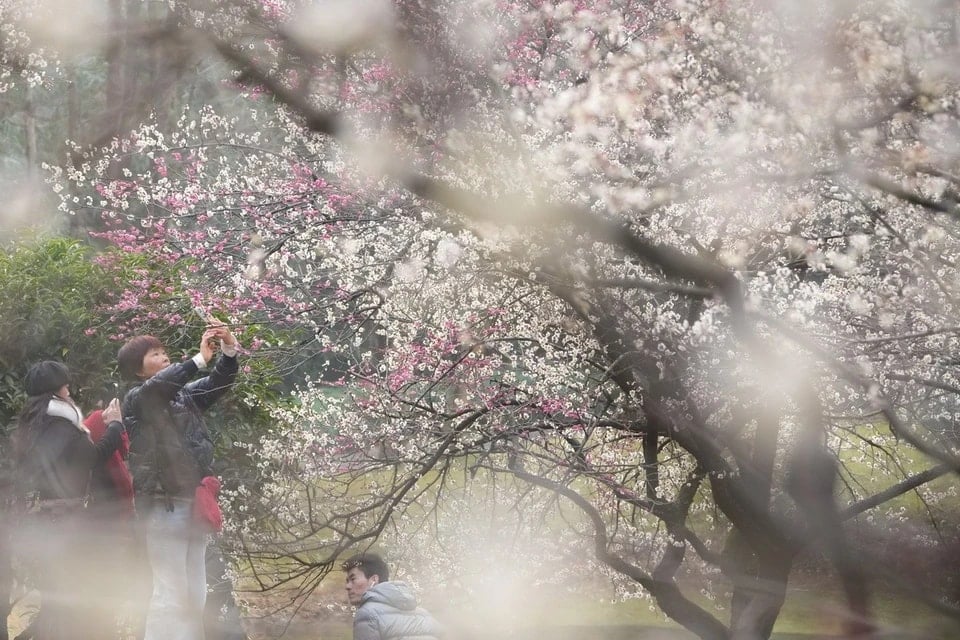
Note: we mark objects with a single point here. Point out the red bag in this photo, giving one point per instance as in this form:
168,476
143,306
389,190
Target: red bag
206,509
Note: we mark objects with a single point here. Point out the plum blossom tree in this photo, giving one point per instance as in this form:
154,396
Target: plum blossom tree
678,276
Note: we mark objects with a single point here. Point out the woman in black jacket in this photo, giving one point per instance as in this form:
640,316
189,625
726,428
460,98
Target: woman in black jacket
170,454
54,457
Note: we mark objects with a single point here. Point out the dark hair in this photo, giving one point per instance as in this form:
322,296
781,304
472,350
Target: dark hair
370,564
30,416
130,356
44,378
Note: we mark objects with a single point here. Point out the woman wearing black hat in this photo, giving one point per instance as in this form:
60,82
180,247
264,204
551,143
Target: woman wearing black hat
54,458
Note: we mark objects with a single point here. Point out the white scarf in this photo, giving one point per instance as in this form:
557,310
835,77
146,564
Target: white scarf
65,409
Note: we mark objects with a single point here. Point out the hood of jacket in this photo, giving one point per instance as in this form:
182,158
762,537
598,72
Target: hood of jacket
395,594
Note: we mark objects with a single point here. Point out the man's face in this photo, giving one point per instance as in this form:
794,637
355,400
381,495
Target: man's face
358,583
155,360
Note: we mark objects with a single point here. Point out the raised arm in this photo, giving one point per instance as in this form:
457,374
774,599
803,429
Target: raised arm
205,391
109,442
166,383
106,433
65,438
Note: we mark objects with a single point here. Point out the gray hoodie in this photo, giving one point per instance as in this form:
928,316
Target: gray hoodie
388,611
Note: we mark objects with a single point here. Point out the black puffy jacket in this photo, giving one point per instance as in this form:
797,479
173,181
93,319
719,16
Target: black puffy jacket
170,447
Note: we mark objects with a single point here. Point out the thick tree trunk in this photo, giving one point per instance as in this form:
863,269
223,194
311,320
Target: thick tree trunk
651,470
759,591
812,485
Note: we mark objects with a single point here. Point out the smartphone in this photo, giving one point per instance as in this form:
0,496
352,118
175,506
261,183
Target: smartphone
200,311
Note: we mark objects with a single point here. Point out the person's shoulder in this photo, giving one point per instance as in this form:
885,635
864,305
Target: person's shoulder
372,609
366,610
65,412
366,619
131,395
366,623
58,426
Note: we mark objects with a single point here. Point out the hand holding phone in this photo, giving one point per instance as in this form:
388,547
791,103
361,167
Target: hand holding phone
112,412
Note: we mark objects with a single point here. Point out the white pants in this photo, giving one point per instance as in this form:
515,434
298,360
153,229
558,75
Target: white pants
176,547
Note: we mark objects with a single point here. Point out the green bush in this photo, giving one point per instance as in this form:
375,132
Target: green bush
57,302
51,293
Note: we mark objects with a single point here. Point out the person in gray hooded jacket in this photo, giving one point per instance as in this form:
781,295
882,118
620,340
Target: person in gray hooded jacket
385,610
